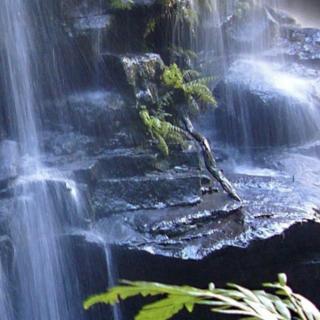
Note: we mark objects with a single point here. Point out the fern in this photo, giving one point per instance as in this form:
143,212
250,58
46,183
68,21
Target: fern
173,77
122,4
279,304
150,28
162,131
194,88
200,91
193,105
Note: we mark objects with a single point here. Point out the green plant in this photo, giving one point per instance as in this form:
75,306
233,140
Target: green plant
187,87
150,27
186,11
276,301
161,130
122,4
186,94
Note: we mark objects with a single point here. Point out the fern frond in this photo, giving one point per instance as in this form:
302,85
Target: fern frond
202,80
162,131
162,144
194,90
242,303
193,104
122,4
150,27
173,77
172,129
200,92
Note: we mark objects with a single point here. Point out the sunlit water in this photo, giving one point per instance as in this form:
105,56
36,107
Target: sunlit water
43,275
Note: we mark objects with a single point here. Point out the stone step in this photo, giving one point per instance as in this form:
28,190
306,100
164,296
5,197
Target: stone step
210,225
157,190
127,162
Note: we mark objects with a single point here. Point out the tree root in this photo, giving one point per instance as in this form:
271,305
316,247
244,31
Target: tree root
209,159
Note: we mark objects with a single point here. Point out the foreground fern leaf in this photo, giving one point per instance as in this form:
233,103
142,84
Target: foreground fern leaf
281,304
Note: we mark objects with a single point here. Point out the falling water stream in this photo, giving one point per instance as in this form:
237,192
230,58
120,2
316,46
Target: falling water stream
6,309
45,284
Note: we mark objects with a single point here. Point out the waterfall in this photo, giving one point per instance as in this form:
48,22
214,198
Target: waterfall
256,84
18,57
46,281
112,280
6,309
45,205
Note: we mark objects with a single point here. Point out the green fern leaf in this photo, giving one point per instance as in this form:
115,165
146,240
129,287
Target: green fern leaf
173,77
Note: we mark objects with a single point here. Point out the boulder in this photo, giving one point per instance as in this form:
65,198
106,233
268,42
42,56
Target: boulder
223,240
262,104
138,75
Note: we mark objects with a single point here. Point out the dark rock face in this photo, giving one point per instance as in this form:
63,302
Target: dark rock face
89,8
